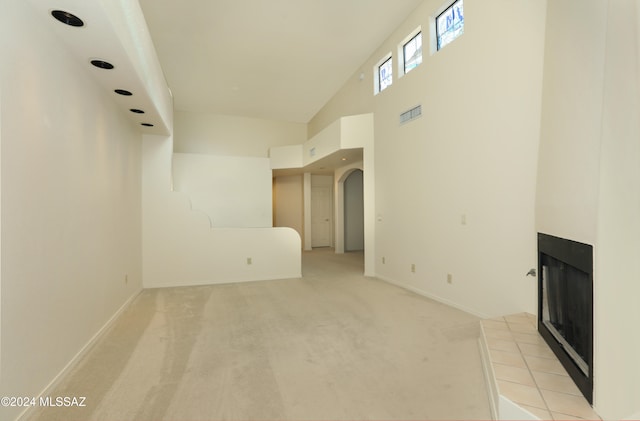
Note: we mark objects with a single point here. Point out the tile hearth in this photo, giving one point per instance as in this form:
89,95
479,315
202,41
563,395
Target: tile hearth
521,367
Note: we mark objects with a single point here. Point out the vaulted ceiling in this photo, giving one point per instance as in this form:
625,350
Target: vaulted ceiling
273,59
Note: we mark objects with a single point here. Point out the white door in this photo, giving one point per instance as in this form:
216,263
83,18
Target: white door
321,216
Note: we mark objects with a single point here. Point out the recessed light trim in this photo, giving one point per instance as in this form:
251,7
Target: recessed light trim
123,92
67,18
137,111
102,64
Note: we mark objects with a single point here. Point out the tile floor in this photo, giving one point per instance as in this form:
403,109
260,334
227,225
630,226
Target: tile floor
528,373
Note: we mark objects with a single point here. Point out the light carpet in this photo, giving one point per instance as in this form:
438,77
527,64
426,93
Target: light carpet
332,345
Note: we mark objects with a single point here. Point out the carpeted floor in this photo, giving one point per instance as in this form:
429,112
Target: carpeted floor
333,345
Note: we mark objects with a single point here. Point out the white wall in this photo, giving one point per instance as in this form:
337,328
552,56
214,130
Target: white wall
617,273
323,144
346,132
589,178
472,154
286,157
235,191
221,178
1,33
71,206
354,98
571,128
180,248
214,134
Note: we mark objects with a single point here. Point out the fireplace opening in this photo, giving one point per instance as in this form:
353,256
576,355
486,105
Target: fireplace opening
565,305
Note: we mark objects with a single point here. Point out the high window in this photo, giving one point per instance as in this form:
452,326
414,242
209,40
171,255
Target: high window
412,53
450,24
385,70
384,74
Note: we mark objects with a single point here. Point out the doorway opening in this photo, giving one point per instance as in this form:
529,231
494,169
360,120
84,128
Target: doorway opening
354,212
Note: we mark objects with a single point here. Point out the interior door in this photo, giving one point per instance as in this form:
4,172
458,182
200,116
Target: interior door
321,216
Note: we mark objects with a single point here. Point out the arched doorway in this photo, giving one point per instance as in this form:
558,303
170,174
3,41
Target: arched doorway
354,211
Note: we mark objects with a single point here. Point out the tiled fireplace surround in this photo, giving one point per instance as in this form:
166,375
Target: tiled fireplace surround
521,367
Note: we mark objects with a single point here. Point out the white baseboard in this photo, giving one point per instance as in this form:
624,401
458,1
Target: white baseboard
76,359
433,297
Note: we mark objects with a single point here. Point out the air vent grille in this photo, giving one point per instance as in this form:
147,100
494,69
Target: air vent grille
411,114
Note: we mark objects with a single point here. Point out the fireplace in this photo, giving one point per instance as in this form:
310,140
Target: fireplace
565,305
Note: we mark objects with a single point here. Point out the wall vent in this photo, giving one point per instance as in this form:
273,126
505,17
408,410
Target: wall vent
411,114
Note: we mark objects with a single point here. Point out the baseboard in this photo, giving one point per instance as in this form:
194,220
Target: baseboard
76,359
433,297
298,275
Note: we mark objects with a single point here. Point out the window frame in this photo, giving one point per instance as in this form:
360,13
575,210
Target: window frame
377,88
402,60
390,76
437,34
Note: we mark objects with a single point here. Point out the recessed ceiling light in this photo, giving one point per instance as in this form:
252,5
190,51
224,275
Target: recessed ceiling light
344,159
123,92
67,18
137,111
102,64
146,124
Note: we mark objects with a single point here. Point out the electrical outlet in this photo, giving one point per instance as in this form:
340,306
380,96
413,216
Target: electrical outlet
249,260
413,268
449,278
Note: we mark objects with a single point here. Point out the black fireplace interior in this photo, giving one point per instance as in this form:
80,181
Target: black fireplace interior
565,305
